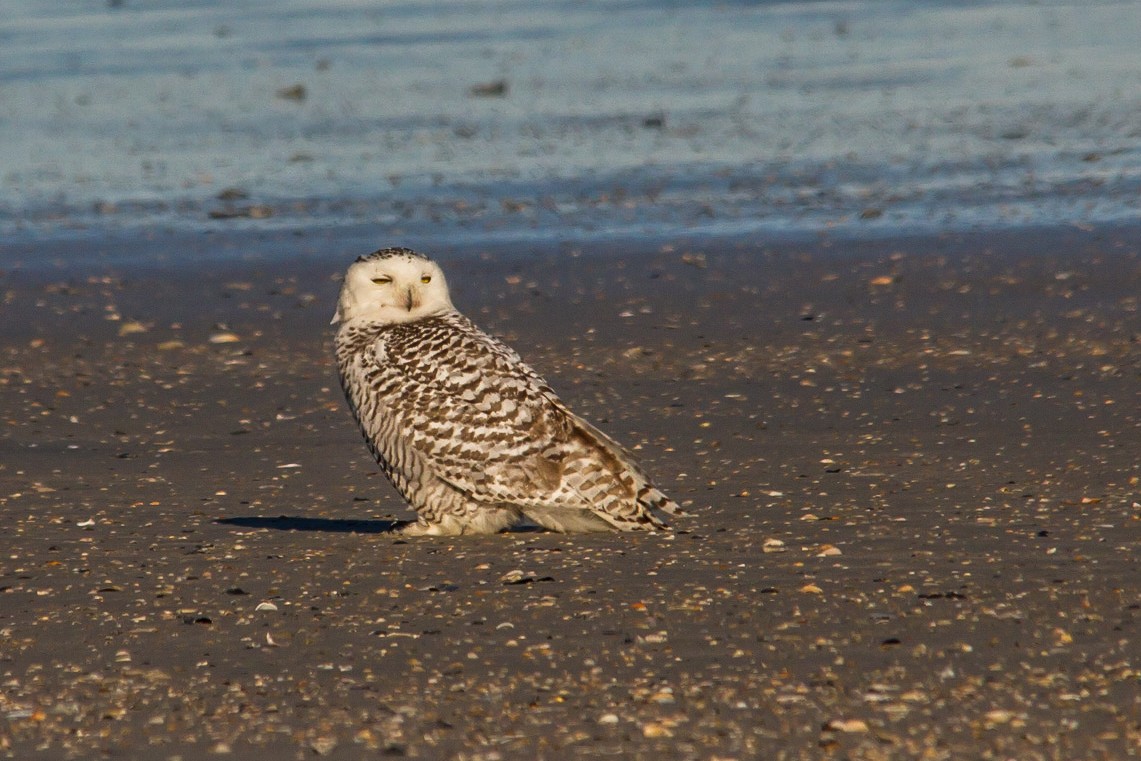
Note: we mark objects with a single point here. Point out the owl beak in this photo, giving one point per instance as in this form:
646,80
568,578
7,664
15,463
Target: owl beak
410,299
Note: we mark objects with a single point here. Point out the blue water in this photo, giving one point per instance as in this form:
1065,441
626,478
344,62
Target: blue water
563,119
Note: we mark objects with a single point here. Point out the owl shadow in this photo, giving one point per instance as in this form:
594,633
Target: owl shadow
339,525
332,525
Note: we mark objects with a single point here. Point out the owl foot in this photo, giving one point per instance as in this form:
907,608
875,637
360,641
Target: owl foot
485,521
423,528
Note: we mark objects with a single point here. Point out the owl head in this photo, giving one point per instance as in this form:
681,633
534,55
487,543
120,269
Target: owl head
393,285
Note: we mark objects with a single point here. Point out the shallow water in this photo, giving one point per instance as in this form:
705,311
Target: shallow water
566,120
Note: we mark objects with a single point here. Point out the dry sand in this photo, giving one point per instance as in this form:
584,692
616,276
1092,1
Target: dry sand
912,467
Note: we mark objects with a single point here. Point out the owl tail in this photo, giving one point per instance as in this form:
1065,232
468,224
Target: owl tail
653,499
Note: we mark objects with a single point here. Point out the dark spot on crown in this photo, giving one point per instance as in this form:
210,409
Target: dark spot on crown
389,253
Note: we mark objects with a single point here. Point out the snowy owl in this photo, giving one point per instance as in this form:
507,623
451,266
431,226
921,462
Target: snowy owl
469,435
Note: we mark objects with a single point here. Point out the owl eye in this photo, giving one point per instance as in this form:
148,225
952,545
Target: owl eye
382,280
425,279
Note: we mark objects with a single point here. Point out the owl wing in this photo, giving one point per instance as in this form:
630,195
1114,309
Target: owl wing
490,426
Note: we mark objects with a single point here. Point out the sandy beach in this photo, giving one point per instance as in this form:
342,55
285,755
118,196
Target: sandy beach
858,282
910,465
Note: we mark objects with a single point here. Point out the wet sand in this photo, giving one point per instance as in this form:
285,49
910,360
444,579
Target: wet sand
911,466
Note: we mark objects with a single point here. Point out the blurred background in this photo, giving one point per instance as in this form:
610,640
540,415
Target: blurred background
566,120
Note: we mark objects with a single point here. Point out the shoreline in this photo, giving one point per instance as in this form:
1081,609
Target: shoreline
909,464
158,248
